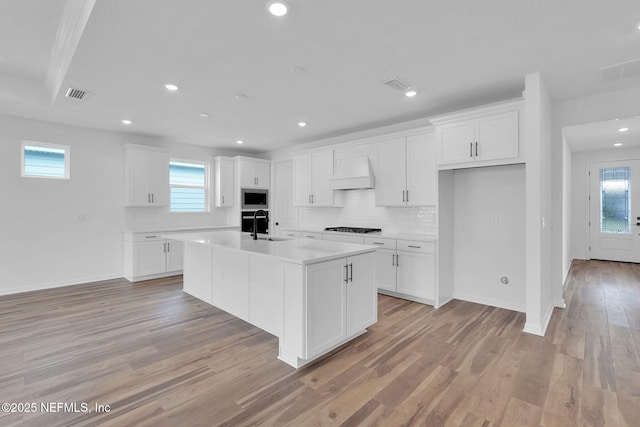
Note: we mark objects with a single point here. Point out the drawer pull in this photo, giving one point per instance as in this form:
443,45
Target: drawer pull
417,247
378,243
150,237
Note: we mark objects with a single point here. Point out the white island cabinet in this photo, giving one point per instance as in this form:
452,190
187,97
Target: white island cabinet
313,295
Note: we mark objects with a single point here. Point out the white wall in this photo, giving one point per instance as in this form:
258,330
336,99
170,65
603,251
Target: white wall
580,162
45,242
489,236
539,221
61,232
567,214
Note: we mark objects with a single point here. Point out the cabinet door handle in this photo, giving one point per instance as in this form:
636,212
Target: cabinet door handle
223,200
152,198
351,275
309,198
312,201
346,273
168,246
393,259
476,148
403,195
148,197
150,237
407,195
412,246
471,149
397,260
378,243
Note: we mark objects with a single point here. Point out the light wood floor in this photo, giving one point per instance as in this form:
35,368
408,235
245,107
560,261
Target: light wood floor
160,357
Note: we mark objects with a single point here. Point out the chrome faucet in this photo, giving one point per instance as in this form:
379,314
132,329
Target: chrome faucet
255,222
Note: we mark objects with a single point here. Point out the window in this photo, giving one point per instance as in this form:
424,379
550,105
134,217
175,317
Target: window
42,160
615,203
188,183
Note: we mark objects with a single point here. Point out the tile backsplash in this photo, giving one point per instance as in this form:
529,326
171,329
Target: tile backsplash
360,211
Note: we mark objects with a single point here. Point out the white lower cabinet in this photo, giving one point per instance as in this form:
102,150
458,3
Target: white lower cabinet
149,255
340,301
416,274
405,268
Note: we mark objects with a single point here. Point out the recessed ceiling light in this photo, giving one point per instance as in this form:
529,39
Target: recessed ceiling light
302,124
241,97
277,8
623,129
126,122
240,141
617,144
410,93
204,115
171,87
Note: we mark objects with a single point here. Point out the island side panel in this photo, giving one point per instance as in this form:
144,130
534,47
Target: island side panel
230,277
292,342
197,271
266,294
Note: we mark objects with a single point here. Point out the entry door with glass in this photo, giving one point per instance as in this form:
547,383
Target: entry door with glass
614,211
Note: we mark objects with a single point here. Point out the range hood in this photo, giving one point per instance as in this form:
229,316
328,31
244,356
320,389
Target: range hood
352,173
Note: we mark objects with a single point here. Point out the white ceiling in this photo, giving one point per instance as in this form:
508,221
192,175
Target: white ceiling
602,135
455,54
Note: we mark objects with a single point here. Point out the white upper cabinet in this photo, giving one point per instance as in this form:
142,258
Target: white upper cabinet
311,175
254,173
224,182
146,176
406,172
479,137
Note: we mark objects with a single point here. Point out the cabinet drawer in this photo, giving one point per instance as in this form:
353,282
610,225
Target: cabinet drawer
381,242
147,237
335,237
417,246
310,235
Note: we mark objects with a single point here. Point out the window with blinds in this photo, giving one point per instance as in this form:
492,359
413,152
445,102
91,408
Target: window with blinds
188,185
41,160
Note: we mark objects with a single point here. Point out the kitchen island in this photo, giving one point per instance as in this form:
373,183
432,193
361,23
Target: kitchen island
313,295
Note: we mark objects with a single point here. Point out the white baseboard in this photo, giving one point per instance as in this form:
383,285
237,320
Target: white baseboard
490,301
59,284
539,329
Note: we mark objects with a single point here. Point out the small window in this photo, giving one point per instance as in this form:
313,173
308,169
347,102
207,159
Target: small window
42,160
188,183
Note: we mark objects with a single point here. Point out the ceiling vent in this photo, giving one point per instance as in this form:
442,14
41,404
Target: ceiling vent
397,84
76,93
617,72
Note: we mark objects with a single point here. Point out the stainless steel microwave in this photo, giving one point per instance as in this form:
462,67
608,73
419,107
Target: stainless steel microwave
254,199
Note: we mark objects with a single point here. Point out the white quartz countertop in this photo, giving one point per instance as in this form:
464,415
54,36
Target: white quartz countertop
397,236
298,251
157,229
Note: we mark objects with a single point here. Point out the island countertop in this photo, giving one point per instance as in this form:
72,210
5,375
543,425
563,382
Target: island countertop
298,251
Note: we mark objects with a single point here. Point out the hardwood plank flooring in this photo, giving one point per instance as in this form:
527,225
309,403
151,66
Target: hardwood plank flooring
159,357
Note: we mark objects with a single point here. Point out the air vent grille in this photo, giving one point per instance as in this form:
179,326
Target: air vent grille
76,93
397,84
617,72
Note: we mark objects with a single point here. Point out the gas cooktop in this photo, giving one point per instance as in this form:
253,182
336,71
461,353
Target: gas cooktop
354,229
